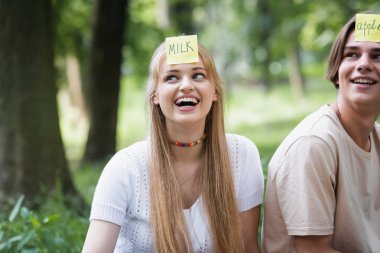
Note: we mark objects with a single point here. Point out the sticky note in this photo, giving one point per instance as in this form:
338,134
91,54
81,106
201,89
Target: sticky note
367,27
182,49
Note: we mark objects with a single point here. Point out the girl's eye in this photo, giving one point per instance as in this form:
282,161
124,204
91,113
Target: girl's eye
170,78
199,76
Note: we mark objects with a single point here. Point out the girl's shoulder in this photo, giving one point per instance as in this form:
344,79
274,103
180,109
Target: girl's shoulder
130,159
236,141
136,150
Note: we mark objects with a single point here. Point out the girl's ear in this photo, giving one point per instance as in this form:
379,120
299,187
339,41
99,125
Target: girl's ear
215,98
155,98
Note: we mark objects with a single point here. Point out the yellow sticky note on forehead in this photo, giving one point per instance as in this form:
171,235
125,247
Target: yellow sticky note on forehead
367,27
182,49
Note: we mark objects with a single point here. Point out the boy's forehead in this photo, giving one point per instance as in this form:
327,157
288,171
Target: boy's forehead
351,41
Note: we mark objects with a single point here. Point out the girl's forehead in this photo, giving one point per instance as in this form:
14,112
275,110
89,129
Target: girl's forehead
164,67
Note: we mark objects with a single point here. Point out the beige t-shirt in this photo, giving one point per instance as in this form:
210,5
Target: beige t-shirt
321,182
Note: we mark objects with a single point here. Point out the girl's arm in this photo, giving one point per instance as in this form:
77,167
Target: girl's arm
101,237
250,222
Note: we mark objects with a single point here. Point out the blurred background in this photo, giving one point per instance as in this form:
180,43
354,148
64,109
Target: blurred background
72,91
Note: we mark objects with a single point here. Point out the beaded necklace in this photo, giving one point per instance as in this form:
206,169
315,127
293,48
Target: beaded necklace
190,144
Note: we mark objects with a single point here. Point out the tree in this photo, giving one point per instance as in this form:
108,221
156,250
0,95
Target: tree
104,78
181,16
32,157
264,22
289,18
72,35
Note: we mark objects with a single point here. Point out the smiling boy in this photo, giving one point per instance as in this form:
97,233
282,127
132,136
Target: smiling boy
323,191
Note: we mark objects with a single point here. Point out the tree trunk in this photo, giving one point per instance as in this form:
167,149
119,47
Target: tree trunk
295,73
32,158
162,14
104,78
74,79
264,40
181,14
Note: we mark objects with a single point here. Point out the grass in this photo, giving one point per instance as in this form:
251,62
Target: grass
266,118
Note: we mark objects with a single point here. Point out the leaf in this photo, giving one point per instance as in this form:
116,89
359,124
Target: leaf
24,212
14,239
26,238
35,222
16,208
35,250
51,218
3,245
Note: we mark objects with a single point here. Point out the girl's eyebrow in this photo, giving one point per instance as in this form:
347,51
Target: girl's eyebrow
176,70
172,71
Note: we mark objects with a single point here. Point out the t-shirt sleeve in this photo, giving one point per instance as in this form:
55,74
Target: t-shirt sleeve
111,195
251,179
305,185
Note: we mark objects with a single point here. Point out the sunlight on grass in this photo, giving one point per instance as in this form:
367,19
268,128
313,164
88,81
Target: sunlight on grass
267,118
132,123
74,126
86,179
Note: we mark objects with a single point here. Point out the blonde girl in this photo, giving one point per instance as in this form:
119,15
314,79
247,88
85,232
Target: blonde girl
189,187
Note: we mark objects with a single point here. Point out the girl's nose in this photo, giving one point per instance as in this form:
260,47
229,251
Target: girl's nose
186,84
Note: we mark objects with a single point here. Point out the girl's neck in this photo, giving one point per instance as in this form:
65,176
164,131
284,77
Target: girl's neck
187,154
185,133
187,165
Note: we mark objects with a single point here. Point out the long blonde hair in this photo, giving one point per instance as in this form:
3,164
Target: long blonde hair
217,189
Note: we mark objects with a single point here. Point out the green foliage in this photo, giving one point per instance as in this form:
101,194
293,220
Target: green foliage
266,118
72,19
142,37
133,119
86,178
53,228
72,32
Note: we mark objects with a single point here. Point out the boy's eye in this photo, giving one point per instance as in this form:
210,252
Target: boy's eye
376,57
351,55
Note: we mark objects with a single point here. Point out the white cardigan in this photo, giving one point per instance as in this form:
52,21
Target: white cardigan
122,195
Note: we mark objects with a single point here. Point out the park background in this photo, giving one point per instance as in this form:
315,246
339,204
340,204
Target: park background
72,79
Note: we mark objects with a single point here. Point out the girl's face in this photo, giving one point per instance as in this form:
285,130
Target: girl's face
185,94
359,73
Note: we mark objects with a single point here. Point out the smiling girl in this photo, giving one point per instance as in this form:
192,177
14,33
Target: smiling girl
189,187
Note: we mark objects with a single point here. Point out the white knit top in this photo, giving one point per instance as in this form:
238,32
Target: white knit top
122,195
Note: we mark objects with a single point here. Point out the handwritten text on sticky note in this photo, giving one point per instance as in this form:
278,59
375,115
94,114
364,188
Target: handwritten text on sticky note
182,49
367,27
